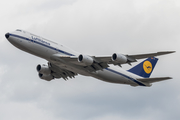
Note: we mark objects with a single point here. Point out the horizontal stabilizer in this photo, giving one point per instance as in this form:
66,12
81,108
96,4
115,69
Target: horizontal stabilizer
152,80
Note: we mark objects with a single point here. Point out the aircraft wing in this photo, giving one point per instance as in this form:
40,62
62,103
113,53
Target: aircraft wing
141,56
152,80
73,60
130,58
94,63
58,72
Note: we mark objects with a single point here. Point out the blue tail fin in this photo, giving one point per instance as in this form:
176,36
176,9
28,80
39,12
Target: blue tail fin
145,68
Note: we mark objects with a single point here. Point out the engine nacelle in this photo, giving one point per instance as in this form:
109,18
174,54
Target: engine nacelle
119,58
46,77
44,69
87,60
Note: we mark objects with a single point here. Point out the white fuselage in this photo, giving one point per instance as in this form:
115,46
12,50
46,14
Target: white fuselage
44,48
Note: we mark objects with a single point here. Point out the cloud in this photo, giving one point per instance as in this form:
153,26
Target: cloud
92,27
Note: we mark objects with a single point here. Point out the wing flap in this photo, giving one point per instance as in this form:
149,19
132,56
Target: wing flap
62,73
152,80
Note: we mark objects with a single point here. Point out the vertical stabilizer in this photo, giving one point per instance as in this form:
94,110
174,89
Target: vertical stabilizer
145,68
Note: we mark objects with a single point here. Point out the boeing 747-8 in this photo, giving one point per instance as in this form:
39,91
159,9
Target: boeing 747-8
66,63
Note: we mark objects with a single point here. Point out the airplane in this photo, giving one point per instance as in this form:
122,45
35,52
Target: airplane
66,63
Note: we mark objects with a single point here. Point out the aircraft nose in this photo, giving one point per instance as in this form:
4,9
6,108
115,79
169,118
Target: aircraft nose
7,35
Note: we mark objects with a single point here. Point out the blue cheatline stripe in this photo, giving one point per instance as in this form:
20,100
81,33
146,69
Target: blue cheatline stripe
139,83
42,44
134,80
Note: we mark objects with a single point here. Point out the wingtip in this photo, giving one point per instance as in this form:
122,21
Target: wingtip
171,51
165,52
170,78
167,78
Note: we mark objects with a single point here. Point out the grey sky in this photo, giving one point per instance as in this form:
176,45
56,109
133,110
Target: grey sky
95,27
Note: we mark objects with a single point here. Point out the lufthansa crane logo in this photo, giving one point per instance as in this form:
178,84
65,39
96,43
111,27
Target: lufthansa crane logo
147,66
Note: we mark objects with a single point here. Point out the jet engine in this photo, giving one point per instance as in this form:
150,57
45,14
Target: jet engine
44,69
46,77
119,58
87,60
44,72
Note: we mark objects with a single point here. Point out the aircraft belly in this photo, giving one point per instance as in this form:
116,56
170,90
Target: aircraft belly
108,76
23,45
30,47
40,50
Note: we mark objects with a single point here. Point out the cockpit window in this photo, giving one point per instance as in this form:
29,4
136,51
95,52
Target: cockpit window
19,30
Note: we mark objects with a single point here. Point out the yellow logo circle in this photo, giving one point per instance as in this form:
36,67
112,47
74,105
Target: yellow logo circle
147,66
